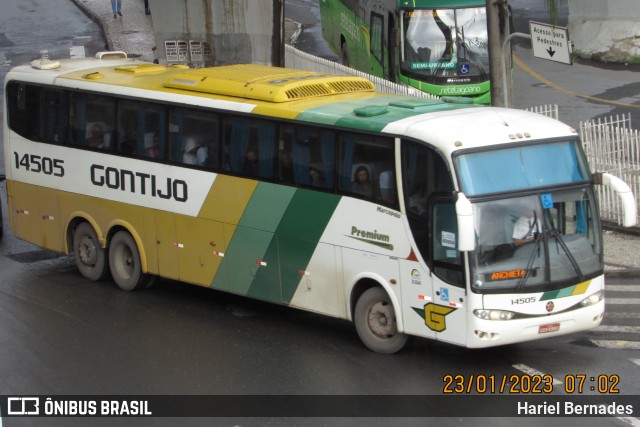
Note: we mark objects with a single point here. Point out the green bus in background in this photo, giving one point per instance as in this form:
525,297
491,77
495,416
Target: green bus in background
437,46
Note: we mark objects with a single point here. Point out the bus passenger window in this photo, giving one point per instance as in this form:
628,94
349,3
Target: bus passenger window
366,168
23,109
93,120
251,147
54,116
194,137
142,129
312,156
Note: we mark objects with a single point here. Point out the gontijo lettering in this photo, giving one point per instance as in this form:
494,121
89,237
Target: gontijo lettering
139,182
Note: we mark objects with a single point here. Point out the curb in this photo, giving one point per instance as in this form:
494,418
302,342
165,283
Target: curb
95,18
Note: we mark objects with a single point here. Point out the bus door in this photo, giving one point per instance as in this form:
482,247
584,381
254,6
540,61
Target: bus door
436,285
449,292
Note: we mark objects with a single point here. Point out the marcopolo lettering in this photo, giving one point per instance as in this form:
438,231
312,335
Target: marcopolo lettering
139,182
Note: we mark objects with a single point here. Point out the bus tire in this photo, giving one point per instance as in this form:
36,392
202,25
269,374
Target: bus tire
375,321
124,262
91,259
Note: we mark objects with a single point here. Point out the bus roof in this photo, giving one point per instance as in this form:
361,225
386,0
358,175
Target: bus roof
321,98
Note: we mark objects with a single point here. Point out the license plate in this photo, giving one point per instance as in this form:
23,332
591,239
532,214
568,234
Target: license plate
552,327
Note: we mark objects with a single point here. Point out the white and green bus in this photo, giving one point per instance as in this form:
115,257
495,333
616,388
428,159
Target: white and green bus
403,215
437,46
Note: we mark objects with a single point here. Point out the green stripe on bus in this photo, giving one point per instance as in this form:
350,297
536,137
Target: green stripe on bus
290,252
252,238
560,293
343,113
302,226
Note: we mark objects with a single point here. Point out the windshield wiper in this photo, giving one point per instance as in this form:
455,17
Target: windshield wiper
532,256
553,232
559,240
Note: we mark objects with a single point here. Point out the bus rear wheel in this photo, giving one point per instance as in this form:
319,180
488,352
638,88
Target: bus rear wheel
375,320
124,262
91,259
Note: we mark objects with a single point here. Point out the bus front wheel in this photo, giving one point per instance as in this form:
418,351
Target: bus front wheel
375,321
124,262
91,259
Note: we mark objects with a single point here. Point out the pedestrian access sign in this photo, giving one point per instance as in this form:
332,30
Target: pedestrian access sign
550,42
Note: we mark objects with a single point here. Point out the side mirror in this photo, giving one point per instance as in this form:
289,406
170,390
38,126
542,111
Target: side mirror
466,224
629,206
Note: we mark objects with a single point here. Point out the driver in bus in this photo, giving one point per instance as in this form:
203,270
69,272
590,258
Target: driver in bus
525,230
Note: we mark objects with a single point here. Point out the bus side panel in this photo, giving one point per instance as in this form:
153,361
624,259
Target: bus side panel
53,236
318,286
199,239
384,270
24,210
249,269
167,251
420,318
36,215
252,257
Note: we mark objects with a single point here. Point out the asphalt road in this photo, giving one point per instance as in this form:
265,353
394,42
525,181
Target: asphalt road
61,334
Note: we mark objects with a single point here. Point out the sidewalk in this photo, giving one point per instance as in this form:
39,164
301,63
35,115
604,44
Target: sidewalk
133,34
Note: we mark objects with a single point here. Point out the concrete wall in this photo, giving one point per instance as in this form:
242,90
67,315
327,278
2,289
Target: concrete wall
218,32
606,30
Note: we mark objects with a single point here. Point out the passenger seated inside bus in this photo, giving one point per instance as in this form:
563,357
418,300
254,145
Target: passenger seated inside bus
315,177
250,166
207,156
151,145
361,183
129,139
286,174
190,151
96,136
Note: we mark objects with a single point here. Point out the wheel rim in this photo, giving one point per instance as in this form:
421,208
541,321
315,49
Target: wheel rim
87,251
124,261
382,320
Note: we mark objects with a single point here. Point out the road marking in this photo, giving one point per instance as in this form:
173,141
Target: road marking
631,421
617,345
610,315
533,372
622,300
613,328
548,82
622,288
636,361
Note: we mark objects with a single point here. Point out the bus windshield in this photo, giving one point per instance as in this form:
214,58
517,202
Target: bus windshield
521,168
443,44
539,241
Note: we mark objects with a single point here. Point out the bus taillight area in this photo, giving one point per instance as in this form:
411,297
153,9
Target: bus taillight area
548,314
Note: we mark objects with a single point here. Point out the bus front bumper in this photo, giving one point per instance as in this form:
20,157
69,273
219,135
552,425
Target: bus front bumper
490,333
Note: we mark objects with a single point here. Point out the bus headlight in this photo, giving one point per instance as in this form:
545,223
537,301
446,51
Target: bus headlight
494,314
593,299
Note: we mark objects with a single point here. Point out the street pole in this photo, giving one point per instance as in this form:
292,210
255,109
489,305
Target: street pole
498,31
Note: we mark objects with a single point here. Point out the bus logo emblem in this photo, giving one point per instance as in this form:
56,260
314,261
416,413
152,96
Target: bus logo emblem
550,306
434,316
